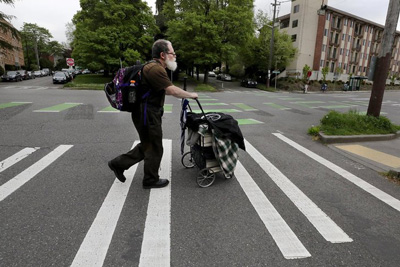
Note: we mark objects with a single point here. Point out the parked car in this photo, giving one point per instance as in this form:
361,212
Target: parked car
226,77
12,76
37,73
85,71
30,75
211,74
248,83
46,72
24,74
60,77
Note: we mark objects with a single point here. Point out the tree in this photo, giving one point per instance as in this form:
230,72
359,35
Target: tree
113,32
325,71
35,38
207,32
306,69
256,52
7,27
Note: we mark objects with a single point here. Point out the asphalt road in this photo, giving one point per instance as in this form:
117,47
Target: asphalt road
292,202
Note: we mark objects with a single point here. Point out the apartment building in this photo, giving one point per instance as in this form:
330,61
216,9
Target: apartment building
11,57
328,37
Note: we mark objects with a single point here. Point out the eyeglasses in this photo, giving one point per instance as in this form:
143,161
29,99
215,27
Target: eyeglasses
171,54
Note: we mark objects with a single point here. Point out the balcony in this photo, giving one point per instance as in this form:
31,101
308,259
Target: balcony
354,61
332,57
357,47
359,34
337,28
334,43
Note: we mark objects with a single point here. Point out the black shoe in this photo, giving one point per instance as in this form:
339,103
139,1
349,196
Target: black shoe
119,173
161,183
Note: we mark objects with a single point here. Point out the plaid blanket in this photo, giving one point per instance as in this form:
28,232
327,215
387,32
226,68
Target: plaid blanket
225,150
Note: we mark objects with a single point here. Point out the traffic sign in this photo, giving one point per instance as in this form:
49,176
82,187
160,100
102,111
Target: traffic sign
70,62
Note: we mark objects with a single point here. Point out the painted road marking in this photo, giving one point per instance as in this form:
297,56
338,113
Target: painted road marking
5,164
372,154
290,98
379,194
286,240
248,121
156,245
307,104
58,108
273,105
12,185
244,107
109,110
13,104
217,110
325,225
168,108
214,104
94,247
207,99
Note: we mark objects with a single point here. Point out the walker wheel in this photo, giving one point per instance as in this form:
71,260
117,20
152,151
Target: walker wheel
205,178
187,160
229,176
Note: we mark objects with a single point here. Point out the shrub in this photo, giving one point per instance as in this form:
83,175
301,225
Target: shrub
314,130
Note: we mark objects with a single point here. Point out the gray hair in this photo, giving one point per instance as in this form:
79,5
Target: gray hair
159,46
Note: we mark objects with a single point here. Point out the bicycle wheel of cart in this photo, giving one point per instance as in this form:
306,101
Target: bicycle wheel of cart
187,160
205,178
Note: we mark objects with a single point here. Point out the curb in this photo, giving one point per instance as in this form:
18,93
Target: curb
330,139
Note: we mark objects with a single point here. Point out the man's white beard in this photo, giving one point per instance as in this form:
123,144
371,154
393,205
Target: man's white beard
171,65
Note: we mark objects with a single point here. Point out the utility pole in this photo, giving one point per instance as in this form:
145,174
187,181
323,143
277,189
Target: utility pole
271,49
384,58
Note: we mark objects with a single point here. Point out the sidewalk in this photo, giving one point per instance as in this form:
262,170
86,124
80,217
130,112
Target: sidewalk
379,152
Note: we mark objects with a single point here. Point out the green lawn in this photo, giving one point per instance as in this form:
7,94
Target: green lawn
89,81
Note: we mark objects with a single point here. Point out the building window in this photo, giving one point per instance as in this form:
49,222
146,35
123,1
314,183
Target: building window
294,23
345,22
351,24
294,37
322,64
343,36
328,17
347,52
365,69
341,51
369,44
296,8
349,39
326,32
323,48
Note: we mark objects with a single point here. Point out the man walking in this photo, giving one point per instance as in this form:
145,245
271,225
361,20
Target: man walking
147,118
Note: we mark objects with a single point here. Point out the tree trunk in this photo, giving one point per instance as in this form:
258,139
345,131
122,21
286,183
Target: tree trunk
384,58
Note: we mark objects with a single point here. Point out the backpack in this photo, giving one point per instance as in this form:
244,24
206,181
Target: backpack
124,92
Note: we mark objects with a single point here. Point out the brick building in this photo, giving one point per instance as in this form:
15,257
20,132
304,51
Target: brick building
10,58
328,37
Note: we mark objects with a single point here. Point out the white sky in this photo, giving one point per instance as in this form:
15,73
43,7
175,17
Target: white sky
54,14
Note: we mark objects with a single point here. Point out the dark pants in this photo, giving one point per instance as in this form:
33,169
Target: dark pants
149,149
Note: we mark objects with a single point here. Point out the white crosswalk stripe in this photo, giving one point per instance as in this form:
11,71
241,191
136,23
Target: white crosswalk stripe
5,164
379,194
290,246
156,243
328,229
94,247
156,237
15,183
